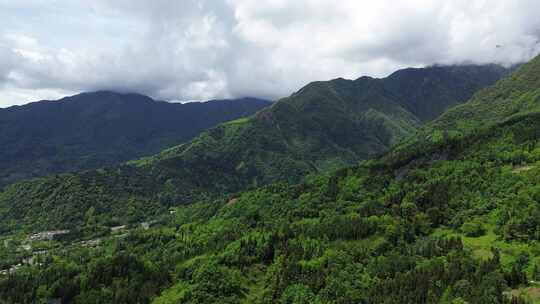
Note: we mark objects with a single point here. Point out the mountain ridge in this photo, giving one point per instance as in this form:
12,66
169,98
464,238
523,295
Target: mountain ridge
96,129
322,127
515,95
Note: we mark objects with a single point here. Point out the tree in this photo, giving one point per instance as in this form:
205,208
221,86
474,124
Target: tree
298,294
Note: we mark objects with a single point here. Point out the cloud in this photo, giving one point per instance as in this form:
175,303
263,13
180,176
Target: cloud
202,49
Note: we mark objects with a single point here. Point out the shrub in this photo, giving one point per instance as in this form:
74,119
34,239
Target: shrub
473,229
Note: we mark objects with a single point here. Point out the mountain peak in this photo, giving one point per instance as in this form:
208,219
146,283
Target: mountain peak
95,129
107,97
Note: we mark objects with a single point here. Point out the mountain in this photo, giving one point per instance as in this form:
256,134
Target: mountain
97,129
516,95
458,224
428,92
324,126
457,221
513,97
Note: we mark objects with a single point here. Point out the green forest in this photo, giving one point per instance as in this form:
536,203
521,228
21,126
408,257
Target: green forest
450,215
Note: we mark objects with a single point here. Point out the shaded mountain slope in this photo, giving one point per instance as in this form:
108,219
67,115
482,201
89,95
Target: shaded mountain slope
430,91
517,94
514,96
93,130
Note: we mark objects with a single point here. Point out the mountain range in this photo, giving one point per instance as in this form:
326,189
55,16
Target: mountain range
277,208
322,127
97,129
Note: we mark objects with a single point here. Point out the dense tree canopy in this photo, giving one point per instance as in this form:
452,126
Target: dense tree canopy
445,219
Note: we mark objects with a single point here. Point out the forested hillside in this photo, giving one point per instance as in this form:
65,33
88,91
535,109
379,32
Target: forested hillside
446,220
93,130
329,124
322,127
515,96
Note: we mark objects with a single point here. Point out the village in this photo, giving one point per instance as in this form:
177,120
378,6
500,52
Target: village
29,250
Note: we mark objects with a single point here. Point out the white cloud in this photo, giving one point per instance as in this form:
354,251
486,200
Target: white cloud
201,49
10,96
